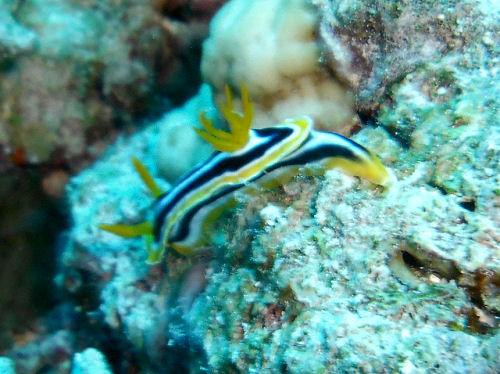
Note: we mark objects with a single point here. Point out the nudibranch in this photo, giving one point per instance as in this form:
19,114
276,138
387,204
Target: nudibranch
243,157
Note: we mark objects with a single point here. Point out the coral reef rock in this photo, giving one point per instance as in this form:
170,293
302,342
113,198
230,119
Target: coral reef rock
325,274
71,71
372,44
72,75
90,361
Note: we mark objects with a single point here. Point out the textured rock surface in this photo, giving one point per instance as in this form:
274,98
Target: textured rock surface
328,280
72,74
315,273
372,44
327,274
71,71
90,361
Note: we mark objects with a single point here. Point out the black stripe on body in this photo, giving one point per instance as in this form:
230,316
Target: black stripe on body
186,176
306,156
315,150
229,163
316,154
183,226
353,143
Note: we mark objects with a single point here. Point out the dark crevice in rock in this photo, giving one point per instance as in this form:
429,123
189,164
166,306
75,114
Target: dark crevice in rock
469,204
438,187
481,286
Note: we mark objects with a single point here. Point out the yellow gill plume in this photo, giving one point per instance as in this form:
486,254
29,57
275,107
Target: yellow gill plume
239,124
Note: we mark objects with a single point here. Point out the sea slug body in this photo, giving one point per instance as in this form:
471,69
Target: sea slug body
245,157
223,171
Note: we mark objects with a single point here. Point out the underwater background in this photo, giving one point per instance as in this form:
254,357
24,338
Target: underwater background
316,273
